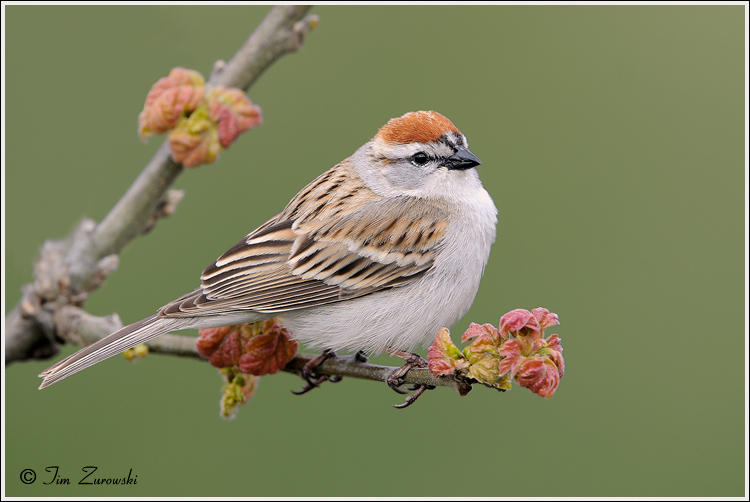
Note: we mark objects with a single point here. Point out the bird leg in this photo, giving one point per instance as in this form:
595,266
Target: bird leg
396,379
308,372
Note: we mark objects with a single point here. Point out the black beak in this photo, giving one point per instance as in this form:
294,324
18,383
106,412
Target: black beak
462,159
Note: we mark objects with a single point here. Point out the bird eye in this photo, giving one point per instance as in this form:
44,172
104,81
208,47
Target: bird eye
420,158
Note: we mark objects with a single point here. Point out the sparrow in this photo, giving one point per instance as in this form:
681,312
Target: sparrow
377,254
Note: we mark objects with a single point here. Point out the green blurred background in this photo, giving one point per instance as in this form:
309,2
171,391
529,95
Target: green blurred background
613,145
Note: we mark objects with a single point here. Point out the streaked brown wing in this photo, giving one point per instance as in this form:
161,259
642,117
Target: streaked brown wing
372,248
320,256
253,275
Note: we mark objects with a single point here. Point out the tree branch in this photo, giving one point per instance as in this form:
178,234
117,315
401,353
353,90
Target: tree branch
130,215
68,270
346,367
281,32
184,346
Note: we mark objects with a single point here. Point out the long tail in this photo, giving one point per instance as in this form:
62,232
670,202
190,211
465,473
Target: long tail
119,341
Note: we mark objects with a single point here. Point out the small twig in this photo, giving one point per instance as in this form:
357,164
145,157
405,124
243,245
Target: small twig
184,346
345,367
175,345
282,31
132,213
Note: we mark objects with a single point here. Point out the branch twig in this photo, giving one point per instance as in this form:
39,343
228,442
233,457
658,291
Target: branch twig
68,270
344,366
184,346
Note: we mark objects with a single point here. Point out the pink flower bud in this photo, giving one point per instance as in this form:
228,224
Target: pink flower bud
268,352
200,123
223,346
195,139
257,349
512,353
545,318
519,322
234,113
532,362
443,356
169,99
517,350
555,355
539,375
482,330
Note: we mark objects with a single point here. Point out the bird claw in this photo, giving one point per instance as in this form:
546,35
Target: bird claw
395,387
396,379
413,397
308,373
310,385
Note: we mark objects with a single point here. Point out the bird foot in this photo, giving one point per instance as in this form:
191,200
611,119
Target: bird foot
308,373
396,379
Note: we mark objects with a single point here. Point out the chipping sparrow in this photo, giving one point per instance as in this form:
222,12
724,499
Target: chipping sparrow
379,252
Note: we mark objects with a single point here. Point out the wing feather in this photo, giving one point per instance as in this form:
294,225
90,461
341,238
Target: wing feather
321,249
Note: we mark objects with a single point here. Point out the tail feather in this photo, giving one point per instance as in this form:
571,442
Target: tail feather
119,341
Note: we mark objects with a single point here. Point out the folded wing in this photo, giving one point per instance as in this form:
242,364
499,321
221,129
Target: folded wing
302,258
